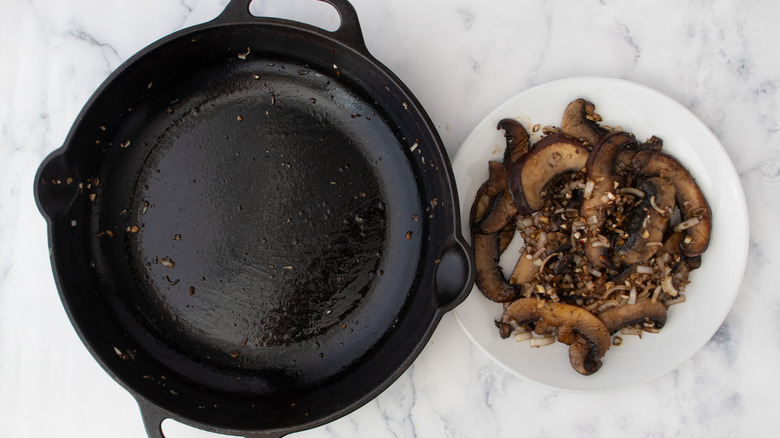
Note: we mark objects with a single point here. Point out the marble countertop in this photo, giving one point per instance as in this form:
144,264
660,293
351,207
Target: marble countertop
461,59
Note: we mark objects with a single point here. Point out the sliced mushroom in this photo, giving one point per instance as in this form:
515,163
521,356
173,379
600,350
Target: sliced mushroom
551,156
586,335
518,142
581,121
501,213
683,266
626,156
648,220
601,179
490,280
517,145
505,237
616,318
525,269
694,210
488,195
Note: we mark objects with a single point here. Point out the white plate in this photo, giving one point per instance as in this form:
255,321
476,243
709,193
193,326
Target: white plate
714,286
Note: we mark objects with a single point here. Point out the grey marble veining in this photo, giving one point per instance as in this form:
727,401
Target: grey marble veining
461,59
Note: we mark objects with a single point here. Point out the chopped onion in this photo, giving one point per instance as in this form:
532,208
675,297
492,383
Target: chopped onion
541,342
631,191
612,289
522,336
680,299
656,292
668,286
631,331
546,259
642,269
587,193
684,225
632,296
655,206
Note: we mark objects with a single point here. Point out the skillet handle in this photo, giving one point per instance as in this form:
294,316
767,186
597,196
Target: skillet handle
454,275
348,33
153,417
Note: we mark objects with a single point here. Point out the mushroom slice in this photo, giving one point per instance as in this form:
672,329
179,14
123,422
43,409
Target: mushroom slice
694,210
616,318
600,177
581,121
502,211
551,156
648,220
624,158
586,335
505,237
525,269
518,142
490,280
488,194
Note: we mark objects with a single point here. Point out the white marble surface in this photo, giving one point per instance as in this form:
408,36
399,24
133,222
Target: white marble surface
461,58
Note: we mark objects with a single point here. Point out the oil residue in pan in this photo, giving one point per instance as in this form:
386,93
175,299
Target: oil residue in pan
266,219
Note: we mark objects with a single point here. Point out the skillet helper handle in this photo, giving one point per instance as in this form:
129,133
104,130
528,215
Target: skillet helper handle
454,277
348,33
153,417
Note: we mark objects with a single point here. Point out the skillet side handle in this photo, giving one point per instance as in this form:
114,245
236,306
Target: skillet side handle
454,275
56,185
349,33
153,418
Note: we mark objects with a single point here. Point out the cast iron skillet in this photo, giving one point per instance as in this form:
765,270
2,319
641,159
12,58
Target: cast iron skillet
253,225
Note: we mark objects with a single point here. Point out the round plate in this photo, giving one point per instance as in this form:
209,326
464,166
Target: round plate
713,287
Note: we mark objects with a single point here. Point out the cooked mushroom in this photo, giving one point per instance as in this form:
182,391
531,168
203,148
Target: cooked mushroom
694,210
502,211
518,142
648,220
488,195
616,318
505,237
581,121
624,158
525,269
551,156
569,323
503,208
601,183
527,264
490,280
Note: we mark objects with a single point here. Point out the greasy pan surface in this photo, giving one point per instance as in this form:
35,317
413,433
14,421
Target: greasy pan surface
253,226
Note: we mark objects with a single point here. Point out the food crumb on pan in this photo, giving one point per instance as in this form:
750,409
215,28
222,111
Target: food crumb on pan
177,237
240,118
243,55
408,235
192,290
168,263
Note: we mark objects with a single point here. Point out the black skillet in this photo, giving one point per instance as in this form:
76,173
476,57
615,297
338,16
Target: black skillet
253,225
